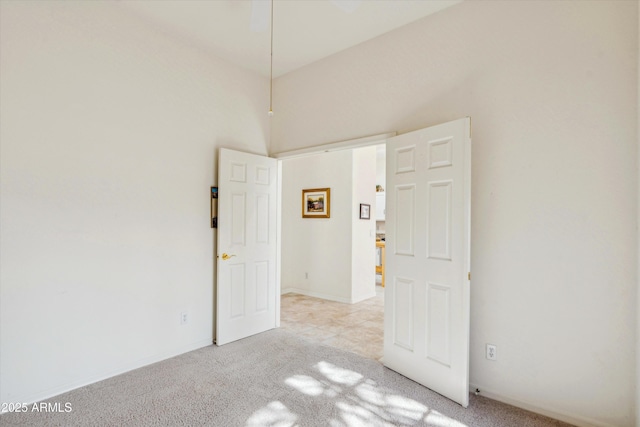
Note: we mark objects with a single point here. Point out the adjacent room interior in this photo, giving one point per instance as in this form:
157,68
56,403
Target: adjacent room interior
332,281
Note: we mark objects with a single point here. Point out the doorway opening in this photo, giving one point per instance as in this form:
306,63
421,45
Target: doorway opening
332,283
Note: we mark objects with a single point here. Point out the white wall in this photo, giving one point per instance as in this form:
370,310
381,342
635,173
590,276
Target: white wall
381,165
552,91
108,138
320,247
638,241
381,177
363,233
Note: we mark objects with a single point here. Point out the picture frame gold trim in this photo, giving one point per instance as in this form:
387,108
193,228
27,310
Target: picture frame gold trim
316,203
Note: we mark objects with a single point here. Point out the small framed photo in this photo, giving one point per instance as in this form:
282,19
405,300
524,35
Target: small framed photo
316,203
365,211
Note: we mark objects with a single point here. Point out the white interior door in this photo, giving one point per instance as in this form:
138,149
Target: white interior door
426,325
246,291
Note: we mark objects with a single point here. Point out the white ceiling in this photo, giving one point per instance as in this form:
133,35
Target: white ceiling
304,30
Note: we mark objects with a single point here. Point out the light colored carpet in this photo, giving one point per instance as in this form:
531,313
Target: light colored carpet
272,379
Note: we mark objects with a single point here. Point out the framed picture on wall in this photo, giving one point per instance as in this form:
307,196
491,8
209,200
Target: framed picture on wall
316,203
365,211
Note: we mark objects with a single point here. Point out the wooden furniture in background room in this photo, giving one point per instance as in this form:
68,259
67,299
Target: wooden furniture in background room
380,259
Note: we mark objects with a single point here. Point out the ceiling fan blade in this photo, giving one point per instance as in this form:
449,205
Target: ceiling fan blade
260,13
348,6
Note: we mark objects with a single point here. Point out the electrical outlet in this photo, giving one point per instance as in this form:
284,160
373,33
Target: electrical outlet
184,318
492,352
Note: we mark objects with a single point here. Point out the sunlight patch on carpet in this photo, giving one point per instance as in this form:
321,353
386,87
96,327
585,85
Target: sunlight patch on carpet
338,375
311,386
275,414
436,419
357,401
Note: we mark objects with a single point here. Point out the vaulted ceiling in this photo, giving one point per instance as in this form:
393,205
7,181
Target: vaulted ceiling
304,31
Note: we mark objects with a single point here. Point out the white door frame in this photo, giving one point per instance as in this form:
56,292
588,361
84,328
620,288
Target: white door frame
351,144
366,141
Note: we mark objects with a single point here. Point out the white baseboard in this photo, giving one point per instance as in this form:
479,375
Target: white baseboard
316,295
327,296
363,297
574,419
129,366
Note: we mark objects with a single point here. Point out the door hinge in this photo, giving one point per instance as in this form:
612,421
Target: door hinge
469,276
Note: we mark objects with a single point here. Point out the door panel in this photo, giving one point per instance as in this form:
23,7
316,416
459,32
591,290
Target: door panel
403,313
439,221
246,291
427,294
405,200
